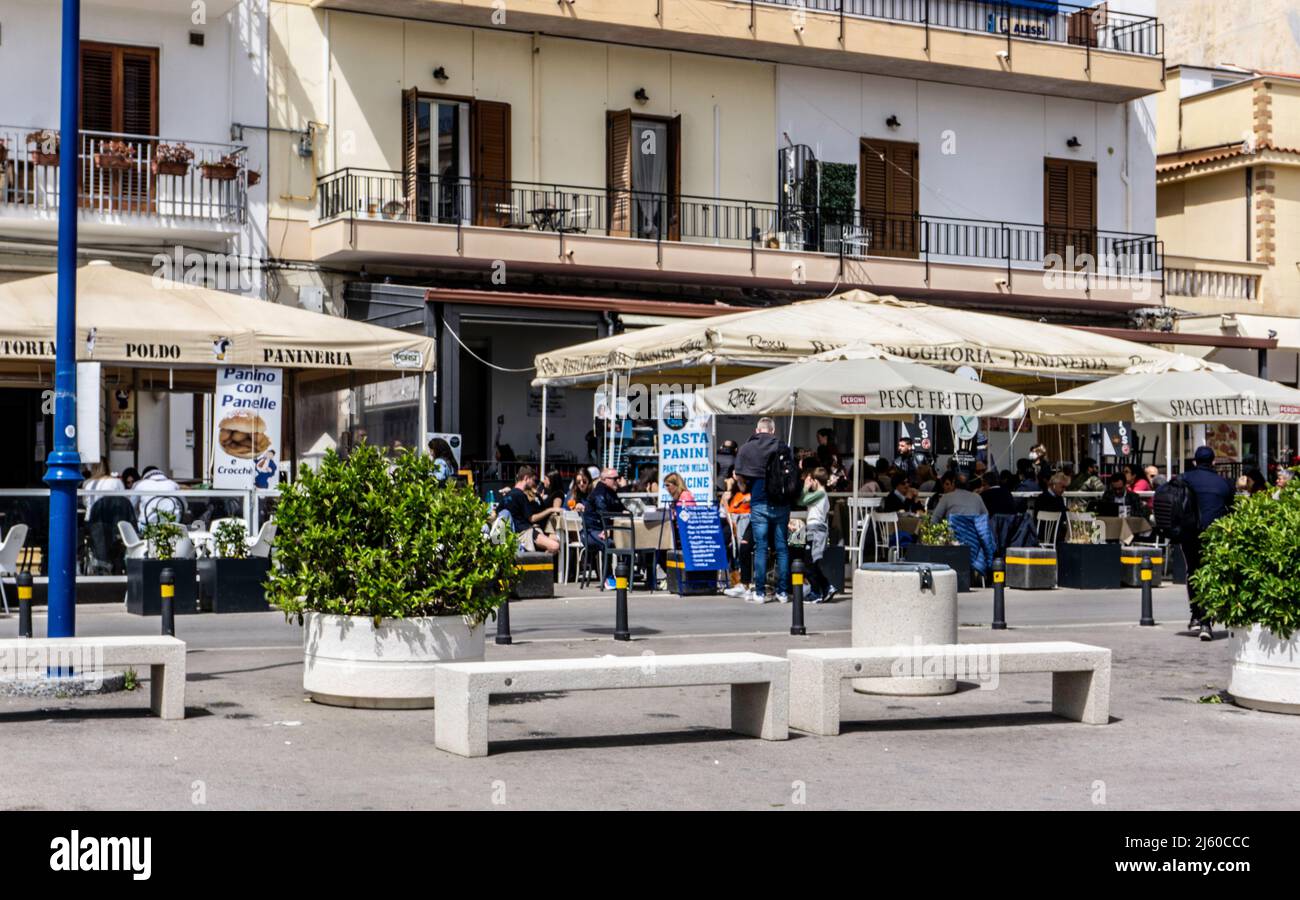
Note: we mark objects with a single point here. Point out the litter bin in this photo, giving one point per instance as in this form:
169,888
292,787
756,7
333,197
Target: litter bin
904,604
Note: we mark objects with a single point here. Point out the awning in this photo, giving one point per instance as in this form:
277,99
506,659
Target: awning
939,336
1184,390
133,320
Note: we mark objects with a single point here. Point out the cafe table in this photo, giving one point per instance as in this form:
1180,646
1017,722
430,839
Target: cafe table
1124,529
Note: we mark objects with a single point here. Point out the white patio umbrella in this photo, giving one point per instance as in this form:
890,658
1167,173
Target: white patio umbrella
859,383
1182,390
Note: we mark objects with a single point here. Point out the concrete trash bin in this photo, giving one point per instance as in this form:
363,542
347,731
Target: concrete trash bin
1131,560
1031,568
904,604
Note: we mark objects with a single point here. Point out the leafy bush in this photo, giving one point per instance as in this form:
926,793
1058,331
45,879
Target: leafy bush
162,535
935,534
1248,573
229,540
370,536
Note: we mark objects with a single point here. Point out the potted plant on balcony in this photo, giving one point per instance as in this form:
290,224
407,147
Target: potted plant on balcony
1085,560
253,176
936,543
224,169
163,538
1248,581
44,147
116,155
389,572
231,581
172,159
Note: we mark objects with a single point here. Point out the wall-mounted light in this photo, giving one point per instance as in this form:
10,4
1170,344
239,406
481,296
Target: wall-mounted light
641,96
440,73
893,122
1074,143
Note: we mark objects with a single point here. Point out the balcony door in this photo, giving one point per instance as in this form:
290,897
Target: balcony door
119,101
456,159
1070,211
890,188
643,175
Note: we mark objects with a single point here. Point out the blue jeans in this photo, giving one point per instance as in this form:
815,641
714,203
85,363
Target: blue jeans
773,522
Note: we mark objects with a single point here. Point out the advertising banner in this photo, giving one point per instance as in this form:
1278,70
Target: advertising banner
685,447
246,421
704,547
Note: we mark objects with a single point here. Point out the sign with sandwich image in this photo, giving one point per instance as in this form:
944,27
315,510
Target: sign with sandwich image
246,424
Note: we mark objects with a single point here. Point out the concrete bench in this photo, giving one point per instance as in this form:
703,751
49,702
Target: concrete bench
1080,675
165,657
759,689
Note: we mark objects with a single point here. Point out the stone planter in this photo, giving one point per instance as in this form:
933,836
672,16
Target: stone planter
891,609
1265,671
350,662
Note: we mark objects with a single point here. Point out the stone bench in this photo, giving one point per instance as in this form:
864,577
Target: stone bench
1080,675
165,657
759,689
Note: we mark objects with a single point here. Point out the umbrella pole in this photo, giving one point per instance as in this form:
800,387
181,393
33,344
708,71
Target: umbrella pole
421,417
1169,450
541,454
854,470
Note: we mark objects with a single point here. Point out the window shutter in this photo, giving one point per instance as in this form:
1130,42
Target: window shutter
139,112
618,171
675,179
1056,207
889,197
903,198
490,162
96,89
410,139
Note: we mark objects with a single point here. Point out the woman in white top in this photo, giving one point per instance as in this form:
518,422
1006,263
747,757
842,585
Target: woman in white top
100,480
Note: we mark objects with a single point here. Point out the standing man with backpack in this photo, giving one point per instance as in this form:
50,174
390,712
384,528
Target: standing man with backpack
766,466
1184,507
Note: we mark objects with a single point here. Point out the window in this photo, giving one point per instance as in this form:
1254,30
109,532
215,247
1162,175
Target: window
643,175
1070,212
119,96
890,184
456,159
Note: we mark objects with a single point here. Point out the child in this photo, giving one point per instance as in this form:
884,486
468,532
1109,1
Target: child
814,499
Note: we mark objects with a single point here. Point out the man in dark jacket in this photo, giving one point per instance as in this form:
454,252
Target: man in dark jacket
1213,500
768,524
603,501
1118,499
997,499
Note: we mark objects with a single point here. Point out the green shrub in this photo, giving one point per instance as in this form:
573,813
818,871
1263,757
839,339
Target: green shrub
370,536
1249,573
162,535
935,534
229,540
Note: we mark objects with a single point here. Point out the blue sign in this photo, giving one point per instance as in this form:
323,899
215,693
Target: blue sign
704,549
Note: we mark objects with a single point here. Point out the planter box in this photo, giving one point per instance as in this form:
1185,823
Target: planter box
1265,671
233,585
1093,567
142,597
254,178
113,161
171,168
956,557
350,662
218,172
536,575
45,159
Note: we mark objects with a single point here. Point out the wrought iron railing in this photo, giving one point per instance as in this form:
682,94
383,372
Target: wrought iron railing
847,233
126,174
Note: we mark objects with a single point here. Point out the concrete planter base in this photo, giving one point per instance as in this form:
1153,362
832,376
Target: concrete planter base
891,609
350,662
1266,671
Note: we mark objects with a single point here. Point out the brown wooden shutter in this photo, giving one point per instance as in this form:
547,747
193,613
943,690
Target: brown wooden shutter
1069,208
410,139
618,171
119,94
675,178
490,162
1083,208
96,89
890,174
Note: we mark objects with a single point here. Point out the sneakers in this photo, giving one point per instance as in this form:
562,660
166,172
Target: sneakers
1193,623
829,596
782,598
1207,633
756,597
737,590
812,597
609,584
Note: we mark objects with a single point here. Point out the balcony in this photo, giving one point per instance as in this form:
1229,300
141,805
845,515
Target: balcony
1213,285
127,191
1033,46
370,216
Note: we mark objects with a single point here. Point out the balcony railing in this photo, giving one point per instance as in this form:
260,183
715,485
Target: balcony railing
755,225
1211,284
122,174
1040,20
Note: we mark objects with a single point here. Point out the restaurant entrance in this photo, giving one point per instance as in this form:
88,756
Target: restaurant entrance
22,455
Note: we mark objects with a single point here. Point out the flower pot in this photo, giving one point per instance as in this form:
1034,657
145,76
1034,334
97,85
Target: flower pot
350,662
1092,567
142,594
233,585
955,556
219,171
45,159
170,168
113,161
254,178
1265,671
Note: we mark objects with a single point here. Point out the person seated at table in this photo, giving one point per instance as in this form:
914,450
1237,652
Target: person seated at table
578,491
649,483
601,502
1135,481
1257,481
956,500
1088,478
996,498
1118,499
1052,499
526,512
1028,477
926,481
870,481
902,499
676,488
553,490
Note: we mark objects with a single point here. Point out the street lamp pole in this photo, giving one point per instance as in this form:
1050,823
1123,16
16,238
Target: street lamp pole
63,467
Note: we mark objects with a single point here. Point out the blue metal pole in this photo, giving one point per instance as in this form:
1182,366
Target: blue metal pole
63,467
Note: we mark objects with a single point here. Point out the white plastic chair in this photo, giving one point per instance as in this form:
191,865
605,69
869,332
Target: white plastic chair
261,545
859,515
135,545
570,543
885,525
1048,523
9,550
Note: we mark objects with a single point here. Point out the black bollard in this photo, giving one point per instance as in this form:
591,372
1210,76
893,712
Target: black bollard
24,582
167,593
503,623
796,601
620,600
999,595
1148,617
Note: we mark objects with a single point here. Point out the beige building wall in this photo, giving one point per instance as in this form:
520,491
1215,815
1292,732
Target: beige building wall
347,72
1282,284
1256,34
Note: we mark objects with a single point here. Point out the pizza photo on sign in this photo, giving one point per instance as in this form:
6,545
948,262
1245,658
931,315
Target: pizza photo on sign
243,435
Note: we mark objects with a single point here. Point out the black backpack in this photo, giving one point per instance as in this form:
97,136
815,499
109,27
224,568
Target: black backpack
1177,513
781,477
